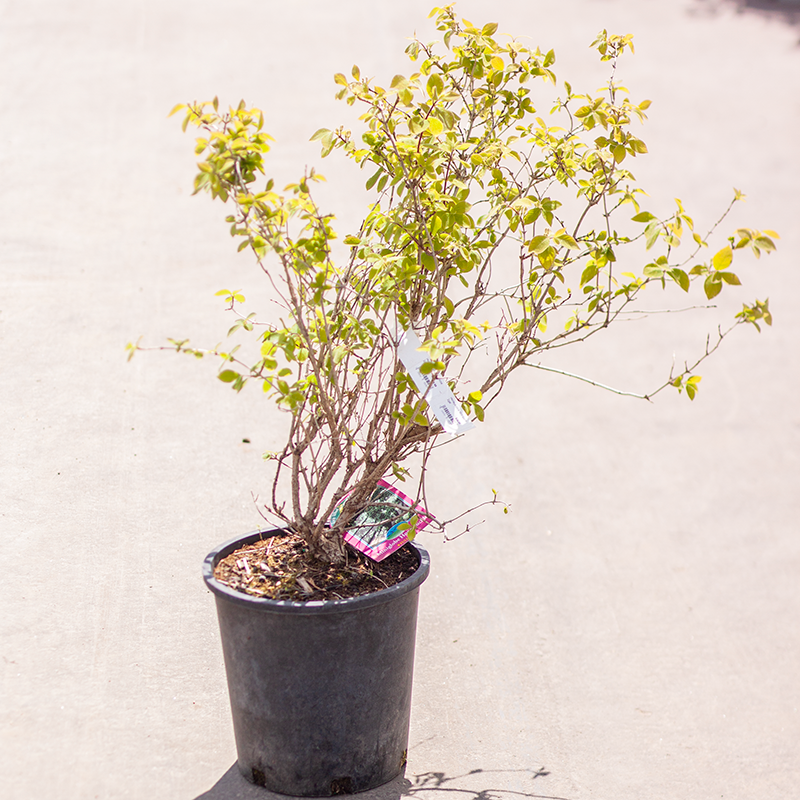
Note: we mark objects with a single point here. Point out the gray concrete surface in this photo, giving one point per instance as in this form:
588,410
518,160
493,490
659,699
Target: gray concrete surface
630,631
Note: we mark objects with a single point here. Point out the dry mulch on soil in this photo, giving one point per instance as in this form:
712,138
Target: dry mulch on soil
279,568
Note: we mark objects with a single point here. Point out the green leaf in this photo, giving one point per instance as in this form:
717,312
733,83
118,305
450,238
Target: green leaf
651,233
399,82
319,134
653,271
643,216
730,278
765,243
723,258
712,286
435,126
435,84
588,273
565,240
489,28
538,244
228,376
680,277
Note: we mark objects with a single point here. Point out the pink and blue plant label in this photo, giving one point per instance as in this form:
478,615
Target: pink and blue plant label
384,525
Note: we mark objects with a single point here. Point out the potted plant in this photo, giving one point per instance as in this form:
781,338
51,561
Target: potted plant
505,222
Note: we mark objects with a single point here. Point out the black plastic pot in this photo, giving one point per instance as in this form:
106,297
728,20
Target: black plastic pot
320,691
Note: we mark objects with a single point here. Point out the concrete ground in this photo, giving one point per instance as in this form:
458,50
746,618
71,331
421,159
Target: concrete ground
630,631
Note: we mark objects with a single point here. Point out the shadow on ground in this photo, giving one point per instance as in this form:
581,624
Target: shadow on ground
233,786
787,11
428,784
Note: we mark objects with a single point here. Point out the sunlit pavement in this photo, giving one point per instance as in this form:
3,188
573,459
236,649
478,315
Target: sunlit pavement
629,631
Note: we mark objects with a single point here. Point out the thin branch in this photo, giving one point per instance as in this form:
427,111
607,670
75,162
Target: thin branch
590,381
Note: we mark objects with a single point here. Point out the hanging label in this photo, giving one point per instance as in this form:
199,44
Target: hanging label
376,530
436,392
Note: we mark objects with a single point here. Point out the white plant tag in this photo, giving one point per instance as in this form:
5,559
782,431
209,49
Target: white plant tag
436,392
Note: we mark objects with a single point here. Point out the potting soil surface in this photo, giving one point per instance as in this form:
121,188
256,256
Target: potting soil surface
279,568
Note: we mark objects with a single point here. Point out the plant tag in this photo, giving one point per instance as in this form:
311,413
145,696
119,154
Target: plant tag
435,391
376,530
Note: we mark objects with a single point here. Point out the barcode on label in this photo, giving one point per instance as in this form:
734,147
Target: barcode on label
435,390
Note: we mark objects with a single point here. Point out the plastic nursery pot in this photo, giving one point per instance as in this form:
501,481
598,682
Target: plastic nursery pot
320,691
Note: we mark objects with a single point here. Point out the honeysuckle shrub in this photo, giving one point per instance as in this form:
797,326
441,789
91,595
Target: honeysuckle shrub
504,219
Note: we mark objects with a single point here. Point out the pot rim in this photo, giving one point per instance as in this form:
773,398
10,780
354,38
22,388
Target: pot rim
409,584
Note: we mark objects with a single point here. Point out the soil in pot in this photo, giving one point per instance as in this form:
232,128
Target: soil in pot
279,568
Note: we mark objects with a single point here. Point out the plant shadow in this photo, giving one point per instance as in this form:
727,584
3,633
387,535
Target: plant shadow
233,786
427,784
